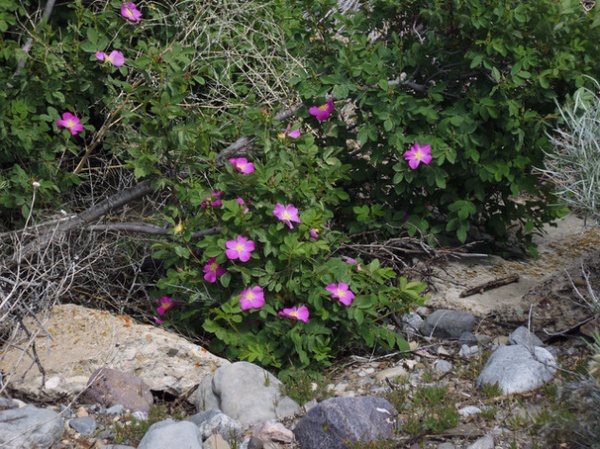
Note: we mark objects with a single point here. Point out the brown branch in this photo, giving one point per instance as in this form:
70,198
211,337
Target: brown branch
146,228
89,215
490,285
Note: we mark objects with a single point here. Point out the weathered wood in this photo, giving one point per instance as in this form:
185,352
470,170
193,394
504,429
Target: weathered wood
490,285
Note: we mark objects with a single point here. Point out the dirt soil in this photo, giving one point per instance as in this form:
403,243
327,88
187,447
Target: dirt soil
543,297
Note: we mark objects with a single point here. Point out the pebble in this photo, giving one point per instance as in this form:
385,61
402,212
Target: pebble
466,352
84,426
442,367
396,372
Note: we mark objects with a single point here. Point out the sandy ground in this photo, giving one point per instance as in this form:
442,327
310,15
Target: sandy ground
543,281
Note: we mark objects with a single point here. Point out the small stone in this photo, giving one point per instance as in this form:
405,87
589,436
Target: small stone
410,364
500,340
82,412
410,324
274,432
255,443
215,441
139,415
164,434
446,446
466,352
442,351
337,421
392,373
85,425
245,392
110,387
115,410
522,336
442,367
470,410
215,421
468,338
486,442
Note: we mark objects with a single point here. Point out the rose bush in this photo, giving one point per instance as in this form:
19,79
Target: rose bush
410,118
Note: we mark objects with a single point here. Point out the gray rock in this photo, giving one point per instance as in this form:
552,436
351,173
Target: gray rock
85,426
246,393
444,323
338,420
110,387
485,442
28,427
446,446
442,367
411,323
466,352
518,369
168,434
469,410
7,404
215,421
116,446
117,409
522,336
468,338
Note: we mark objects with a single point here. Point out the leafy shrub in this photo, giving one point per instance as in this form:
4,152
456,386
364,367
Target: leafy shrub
290,266
476,80
191,78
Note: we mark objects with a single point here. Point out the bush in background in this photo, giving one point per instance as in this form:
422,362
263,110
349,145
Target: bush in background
475,80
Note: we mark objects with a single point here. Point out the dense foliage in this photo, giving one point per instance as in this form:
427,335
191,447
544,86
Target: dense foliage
477,80
419,118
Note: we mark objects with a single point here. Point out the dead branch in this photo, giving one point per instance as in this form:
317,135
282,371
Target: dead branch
146,228
490,285
89,215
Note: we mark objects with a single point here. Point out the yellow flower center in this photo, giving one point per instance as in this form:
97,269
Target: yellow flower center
323,107
249,296
419,155
294,314
341,293
239,247
213,266
286,215
70,123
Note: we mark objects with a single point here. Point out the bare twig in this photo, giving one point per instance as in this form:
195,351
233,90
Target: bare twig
490,285
89,215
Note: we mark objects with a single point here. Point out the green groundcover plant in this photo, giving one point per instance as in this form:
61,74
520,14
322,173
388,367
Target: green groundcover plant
401,118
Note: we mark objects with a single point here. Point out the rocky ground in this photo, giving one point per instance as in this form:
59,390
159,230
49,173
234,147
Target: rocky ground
435,388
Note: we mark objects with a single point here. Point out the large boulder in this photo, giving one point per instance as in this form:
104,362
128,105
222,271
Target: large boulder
73,341
29,427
